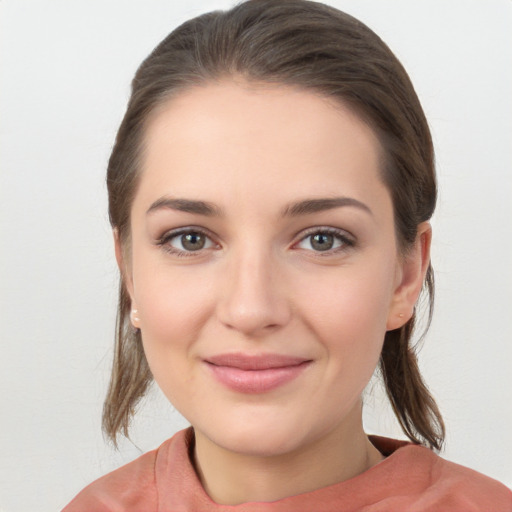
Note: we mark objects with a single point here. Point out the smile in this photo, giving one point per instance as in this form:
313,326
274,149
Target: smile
255,373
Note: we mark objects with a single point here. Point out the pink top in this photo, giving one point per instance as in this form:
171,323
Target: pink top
411,478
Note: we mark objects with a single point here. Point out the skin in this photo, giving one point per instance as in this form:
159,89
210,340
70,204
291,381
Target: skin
259,286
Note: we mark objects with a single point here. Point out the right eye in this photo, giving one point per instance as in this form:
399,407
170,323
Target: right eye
186,242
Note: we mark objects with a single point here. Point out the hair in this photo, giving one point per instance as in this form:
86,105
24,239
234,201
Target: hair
313,47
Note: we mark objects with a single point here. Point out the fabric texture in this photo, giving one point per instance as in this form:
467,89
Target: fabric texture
411,478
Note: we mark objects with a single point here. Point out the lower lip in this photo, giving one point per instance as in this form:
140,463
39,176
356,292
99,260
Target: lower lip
256,381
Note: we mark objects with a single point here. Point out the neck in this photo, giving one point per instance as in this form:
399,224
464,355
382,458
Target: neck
232,478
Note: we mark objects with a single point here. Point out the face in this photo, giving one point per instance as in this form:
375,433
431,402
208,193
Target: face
263,264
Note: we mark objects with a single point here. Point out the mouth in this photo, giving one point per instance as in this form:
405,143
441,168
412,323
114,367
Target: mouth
259,373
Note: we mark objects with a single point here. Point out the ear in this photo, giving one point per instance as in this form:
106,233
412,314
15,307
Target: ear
126,276
410,274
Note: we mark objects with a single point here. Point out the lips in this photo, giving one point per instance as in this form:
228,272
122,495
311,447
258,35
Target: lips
255,373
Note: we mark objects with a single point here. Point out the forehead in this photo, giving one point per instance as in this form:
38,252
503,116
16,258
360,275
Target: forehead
237,138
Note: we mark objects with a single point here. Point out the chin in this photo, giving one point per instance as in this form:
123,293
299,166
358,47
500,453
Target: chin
259,443
261,435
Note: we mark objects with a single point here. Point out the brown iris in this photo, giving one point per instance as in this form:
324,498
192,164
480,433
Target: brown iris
322,241
193,241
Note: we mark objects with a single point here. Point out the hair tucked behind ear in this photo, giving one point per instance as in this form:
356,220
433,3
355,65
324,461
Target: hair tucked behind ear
414,407
130,376
313,47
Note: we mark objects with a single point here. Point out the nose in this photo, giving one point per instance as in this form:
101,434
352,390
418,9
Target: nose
254,300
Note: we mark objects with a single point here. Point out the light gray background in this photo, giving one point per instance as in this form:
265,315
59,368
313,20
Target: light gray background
65,71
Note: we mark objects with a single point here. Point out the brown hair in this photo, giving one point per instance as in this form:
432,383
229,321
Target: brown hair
314,47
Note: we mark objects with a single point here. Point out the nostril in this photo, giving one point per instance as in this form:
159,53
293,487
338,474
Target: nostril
252,322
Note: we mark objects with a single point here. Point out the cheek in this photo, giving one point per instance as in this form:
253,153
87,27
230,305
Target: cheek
348,312
173,307
359,301
171,302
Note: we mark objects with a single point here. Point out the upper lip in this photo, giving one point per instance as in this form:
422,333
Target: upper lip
255,361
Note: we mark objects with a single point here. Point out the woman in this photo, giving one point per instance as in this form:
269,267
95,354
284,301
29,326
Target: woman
270,190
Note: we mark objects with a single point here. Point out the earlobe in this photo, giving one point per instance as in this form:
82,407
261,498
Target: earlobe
411,272
126,277
134,318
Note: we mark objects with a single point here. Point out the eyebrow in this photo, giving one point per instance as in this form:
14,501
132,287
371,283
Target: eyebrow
309,206
186,205
305,207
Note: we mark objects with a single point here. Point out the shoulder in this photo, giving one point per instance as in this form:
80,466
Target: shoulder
466,488
132,487
443,485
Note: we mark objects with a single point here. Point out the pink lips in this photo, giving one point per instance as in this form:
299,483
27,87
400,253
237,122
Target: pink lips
255,373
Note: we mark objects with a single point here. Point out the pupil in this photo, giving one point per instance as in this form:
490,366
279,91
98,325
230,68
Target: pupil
192,241
322,242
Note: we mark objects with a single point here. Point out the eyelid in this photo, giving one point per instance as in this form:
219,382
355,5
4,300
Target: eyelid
164,239
348,240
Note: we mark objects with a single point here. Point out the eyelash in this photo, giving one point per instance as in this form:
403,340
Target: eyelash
164,240
347,241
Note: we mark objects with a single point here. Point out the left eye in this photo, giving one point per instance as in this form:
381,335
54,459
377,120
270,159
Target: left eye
190,241
322,241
